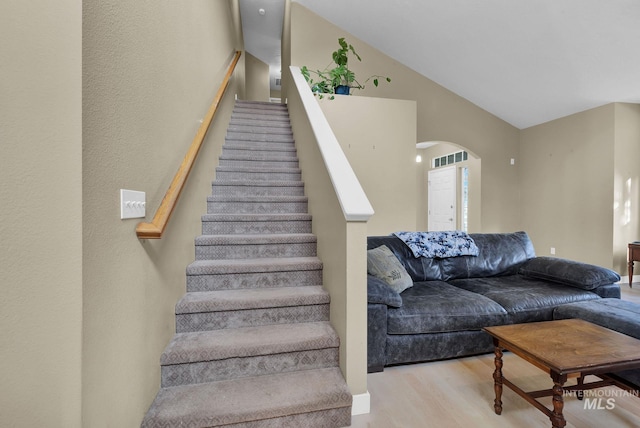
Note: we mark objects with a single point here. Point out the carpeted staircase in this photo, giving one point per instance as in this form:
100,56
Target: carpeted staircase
253,344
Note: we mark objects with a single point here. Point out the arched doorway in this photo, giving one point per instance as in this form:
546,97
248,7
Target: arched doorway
439,159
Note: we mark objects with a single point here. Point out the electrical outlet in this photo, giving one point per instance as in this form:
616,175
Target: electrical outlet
132,204
552,251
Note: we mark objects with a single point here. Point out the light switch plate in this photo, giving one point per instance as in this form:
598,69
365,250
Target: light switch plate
132,204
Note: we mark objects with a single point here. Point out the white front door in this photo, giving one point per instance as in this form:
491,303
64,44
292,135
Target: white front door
442,199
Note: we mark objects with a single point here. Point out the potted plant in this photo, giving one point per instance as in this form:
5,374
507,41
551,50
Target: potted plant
339,79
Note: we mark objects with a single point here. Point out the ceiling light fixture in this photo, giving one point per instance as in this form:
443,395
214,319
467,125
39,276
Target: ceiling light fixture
261,11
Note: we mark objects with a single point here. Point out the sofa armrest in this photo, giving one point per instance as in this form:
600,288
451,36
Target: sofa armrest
376,337
575,274
379,292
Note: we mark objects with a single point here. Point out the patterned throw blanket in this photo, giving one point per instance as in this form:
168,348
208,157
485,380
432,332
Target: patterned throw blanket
439,244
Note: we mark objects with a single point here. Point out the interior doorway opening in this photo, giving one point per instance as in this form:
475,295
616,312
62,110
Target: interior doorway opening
451,203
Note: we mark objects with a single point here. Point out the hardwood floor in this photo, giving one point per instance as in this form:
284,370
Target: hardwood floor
459,393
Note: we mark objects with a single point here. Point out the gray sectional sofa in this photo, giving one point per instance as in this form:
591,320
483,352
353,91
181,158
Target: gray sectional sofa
451,299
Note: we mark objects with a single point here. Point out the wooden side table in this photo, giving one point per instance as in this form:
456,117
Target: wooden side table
634,256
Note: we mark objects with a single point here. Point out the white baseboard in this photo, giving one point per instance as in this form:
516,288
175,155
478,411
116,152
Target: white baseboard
361,404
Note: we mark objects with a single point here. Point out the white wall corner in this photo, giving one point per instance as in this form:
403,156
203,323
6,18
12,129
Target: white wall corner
361,404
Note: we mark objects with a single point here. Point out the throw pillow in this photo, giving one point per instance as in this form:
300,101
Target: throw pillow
379,292
383,264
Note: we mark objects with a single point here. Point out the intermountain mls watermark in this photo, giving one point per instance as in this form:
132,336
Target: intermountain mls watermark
601,399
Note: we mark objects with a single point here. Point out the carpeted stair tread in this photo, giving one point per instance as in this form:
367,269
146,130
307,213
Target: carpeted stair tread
232,204
266,198
272,108
255,173
249,399
259,137
256,157
280,264
258,161
259,122
257,187
257,217
250,169
259,183
257,239
256,111
251,114
268,163
259,110
249,128
285,149
256,223
260,152
268,104
221,203
276,146
251,298
257,114
249,341
251,246
260,106
262,148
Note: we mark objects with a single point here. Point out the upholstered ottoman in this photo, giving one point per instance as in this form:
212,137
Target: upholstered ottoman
615,314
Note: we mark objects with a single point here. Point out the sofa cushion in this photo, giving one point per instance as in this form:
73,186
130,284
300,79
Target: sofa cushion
525,299
379,292
499,254
435,307
420,269
383,264
575,274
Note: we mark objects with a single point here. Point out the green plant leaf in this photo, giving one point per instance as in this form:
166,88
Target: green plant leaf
305,72
353,51
329,78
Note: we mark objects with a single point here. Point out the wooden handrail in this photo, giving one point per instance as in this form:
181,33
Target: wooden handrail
155,229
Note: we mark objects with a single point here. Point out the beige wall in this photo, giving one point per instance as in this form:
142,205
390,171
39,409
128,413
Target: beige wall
567,171
474,166
257,79
274,93
40,219
285,51
378,140
626,204
150,72
441,115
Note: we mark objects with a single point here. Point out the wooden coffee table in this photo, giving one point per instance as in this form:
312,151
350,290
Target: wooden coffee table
563,348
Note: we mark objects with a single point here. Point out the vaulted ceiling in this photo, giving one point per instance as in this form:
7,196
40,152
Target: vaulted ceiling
525,61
